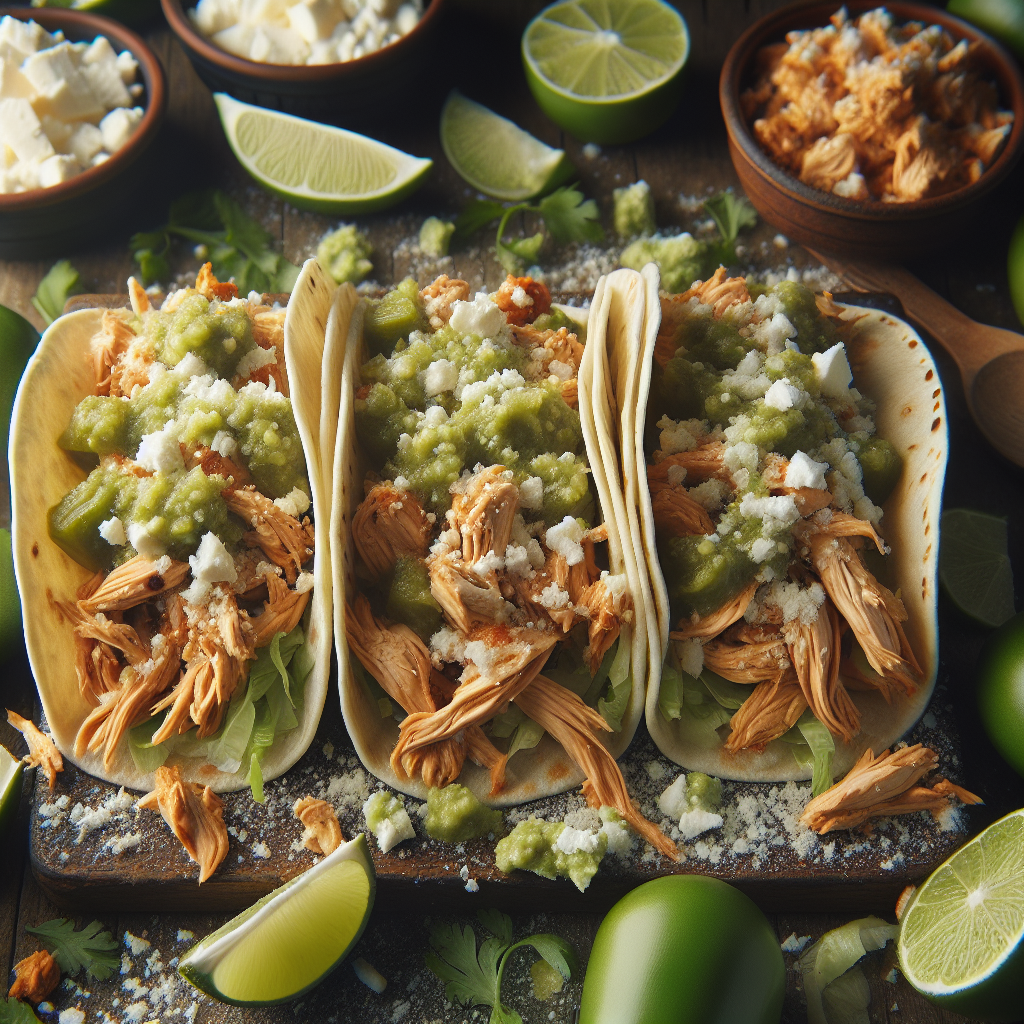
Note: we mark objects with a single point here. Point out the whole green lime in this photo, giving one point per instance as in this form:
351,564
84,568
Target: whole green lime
1000,689
10,603
680,950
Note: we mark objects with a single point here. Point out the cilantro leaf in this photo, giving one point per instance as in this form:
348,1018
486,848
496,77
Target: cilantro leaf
477,214
731,213
516,254
473,977
91,948
569,217
14,1011
60,281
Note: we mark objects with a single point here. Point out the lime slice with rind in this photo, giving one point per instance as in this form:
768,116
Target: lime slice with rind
292,938
974,565
607,72
496,156
961,941
317,166
10,787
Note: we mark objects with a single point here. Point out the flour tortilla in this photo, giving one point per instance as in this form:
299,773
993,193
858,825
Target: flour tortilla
892,366
59,375
545,769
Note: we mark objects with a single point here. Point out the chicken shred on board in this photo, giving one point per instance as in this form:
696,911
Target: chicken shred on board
42,751
195,815
35,977
322,830
881,786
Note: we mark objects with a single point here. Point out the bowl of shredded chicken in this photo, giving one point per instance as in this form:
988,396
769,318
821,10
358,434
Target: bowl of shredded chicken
868,130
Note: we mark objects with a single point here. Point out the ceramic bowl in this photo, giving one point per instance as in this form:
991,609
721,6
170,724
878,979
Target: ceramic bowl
87,209
864,229
352,93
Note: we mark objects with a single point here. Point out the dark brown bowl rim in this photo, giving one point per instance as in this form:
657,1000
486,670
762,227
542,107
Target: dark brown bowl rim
1010,81
324,74
83,22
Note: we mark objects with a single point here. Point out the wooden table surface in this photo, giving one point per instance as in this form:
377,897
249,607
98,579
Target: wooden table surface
687,157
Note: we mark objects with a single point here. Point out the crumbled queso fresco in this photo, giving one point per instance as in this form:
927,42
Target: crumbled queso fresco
64,107
305,31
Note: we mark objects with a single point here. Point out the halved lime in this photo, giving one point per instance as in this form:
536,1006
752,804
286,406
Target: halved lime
607,72
961,940
317,166
291,939
974,565
496,156
10,787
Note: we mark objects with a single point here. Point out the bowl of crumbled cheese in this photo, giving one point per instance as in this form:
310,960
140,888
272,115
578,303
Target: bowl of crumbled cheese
81,101
334,60
875,132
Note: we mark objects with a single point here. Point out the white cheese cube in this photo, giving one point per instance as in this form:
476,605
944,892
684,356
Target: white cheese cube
56,169
833,370
118,126
105,81
13,84
20,129
284,46
265,12
803,471
8,158
324,52
406,19
314,20
212,16
127,66
26,36
100,158
782,395
85,142
236,39
261,46
385,8
99,51
58,132
63,90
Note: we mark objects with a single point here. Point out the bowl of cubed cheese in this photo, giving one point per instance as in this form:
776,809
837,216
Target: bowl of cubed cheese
342,61
81,102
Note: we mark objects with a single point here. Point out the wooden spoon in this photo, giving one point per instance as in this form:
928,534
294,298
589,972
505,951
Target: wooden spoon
990,359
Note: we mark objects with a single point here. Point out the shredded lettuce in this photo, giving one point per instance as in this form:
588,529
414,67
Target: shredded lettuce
822,748
670,695
620,684
572,672
525,732
689,701
258,714
835,994
730,695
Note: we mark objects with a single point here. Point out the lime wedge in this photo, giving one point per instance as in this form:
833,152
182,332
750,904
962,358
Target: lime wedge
974,565
317,166
961,940
291,939
607,72
10,787
495,156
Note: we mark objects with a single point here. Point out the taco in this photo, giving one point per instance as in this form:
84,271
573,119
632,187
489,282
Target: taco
167,477
788,455
491,631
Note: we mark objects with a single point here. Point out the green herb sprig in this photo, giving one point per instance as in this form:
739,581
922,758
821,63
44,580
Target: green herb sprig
91,948
237,246
61,281
566,214
473,977
14,1011
731,213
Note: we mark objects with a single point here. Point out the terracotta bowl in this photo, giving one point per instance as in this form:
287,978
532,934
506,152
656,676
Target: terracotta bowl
864,229
352,92
87,209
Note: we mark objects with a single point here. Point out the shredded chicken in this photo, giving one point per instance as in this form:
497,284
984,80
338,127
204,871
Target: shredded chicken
714,623
322,831
214,464
547,594
873,612
282,611
881,786
700,464
748,662
35,977
483,510
769,712
195,814
676,514
42,751
577,728
389,523
562,345
605,613
814,652
718,291
522,299
108,347
398,659
210,288
137,580
439,297
282,538
96,667
465,597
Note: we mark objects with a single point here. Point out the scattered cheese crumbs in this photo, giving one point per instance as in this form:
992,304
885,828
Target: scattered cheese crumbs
681,436
571,840
693,823
891,977
114,808
782,395
255,359
472,885
71,1016
691,656
369,975
260,850
144,542
212,563
803,471
440,376
553,597
112,531
794,944
118,844
135,944
520,298
481,317
565,540
294,503
833,371
159,452
304,583
184,935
